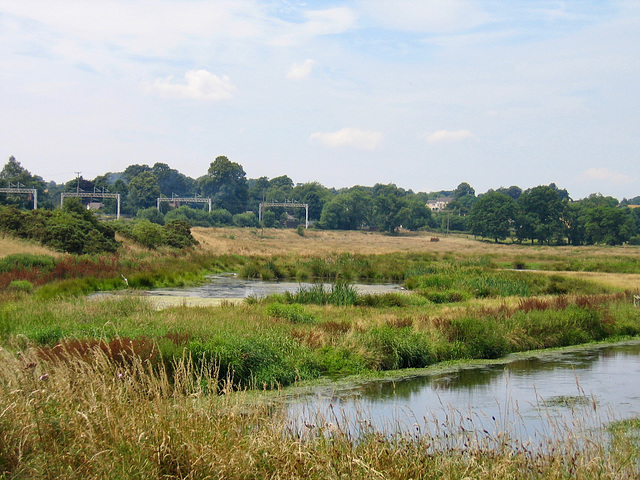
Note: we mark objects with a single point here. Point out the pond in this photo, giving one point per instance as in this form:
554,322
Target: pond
231,287
529,398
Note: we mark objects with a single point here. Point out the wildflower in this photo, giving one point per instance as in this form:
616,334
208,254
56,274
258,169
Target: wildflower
44,377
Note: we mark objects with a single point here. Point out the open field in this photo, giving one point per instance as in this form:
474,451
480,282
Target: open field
12,246
246,241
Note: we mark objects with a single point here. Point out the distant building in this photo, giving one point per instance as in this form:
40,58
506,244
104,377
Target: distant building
291,222
439,204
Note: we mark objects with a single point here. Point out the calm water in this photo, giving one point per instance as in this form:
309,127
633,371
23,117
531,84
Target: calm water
526,397
230,286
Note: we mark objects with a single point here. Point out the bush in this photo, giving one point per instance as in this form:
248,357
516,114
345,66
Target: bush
21,286
152,214
178,234
148,234
399,347
26,261
247,219
482,337
73,229
294,313
220,217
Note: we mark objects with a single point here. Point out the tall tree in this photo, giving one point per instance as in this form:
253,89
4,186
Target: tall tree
144,190
463,189
226,184
540,215
313,194
134,170
171,181
389,207
15,174
492,216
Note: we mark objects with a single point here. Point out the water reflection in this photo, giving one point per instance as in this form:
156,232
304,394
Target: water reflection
528,395
230,286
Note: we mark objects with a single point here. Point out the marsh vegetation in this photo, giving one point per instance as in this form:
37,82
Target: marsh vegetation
115,387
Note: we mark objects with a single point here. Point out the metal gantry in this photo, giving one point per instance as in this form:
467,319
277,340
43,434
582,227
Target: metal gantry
285,204
64,195
183,199
19,188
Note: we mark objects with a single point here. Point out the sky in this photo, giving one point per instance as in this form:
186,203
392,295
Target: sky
424,94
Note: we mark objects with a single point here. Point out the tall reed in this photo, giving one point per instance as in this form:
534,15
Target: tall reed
93,419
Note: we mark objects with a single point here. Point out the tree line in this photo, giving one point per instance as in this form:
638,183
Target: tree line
544,214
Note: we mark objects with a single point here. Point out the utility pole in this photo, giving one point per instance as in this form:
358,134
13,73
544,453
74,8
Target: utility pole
78,183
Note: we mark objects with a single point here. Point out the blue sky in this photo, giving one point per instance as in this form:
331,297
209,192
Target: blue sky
421,93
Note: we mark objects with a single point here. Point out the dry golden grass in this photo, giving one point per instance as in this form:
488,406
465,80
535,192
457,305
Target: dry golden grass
96,419
623,281
11,246
247,241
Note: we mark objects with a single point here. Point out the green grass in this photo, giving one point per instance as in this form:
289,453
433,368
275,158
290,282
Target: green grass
266,344
94,418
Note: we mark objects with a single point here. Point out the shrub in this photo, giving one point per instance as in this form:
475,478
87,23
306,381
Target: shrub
178,234
21,286
220,217
482,337
148,234
247,219
293,313
399,347
26,261
152,214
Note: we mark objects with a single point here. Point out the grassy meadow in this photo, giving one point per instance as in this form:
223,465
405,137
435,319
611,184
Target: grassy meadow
115,387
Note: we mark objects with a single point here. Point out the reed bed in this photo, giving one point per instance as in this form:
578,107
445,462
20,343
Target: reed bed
94,418
273,342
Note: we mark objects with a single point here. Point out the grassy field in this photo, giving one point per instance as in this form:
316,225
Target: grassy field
113,387
245,241
12,246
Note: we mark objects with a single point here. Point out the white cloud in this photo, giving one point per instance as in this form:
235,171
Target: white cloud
424,15
331,21
200,85
606,175
448,136
301,71
351,137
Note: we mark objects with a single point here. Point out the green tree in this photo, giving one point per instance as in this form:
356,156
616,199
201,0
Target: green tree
269,219
247,219
133,171
226,184
540,215
349,210
143,190
416,214
513,191
608,224
152,214
314,194
389,207
256,192
172,182
14,174
462,190
492,216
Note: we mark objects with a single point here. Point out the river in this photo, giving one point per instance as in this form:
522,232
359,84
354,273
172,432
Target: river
530,398
231,287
